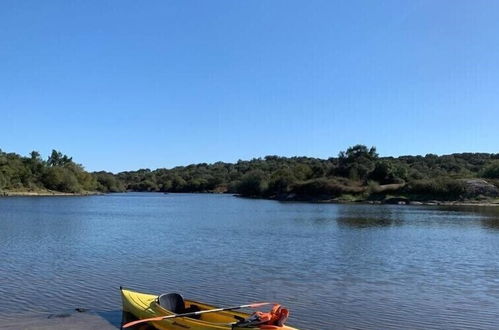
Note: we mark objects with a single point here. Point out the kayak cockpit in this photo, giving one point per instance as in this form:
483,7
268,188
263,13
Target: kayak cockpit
174,303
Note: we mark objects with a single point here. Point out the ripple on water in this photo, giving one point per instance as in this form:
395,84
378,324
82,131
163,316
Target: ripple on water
335,266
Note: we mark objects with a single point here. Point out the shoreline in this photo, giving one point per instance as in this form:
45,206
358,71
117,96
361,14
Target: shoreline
413,203
391,201
74,320
7,193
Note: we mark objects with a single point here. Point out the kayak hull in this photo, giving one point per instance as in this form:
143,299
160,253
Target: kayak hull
143,306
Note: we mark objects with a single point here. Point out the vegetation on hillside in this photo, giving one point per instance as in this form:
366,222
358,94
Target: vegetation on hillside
356,174
57,173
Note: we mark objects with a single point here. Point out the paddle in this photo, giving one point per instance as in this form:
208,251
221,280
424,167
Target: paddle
159,318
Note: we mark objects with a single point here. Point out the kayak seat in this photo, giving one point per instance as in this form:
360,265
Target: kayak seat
172,302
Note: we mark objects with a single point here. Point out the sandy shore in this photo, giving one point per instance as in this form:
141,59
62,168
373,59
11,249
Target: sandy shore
73,321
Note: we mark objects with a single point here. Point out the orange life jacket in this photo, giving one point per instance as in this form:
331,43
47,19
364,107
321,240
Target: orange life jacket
270,320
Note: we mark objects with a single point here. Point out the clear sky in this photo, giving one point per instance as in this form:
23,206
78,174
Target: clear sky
122,85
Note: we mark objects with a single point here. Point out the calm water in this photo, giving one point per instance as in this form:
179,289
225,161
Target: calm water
334,266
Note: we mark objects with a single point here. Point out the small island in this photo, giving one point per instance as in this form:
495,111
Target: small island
358,174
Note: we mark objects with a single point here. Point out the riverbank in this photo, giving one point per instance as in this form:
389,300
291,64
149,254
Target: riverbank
344,199
27,193
468,192
63,321
438,203
389,200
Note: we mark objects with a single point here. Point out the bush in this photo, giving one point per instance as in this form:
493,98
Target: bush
61,179
3,181
443,188
491,171
252,183
324,187
108,182
281,181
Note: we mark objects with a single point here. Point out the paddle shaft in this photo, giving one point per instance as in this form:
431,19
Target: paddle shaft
159,318
207,311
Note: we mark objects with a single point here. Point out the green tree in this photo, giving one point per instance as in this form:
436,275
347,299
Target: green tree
108,182
388,171
281,181
35,156
357,162
253,183
383,172
56,158
3,181
61,179
491,171
302,172
178,183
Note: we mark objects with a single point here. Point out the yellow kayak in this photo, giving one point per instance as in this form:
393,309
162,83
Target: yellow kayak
144,306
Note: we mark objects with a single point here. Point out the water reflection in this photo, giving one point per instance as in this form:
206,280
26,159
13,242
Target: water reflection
488,215
366,216
364,222
490,223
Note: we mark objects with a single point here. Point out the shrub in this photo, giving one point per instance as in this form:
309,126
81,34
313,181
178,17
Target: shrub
491,171
61,179
443,188
324,187
253,183
281,181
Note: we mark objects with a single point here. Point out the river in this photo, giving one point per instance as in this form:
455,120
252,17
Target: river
335,266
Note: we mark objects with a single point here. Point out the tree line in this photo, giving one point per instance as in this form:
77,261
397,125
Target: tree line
57,173
356,173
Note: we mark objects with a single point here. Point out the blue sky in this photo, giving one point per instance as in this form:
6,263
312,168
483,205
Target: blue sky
122,85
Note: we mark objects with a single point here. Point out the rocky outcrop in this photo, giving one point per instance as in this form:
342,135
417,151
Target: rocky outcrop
480,187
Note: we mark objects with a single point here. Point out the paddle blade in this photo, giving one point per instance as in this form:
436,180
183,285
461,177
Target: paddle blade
131,324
